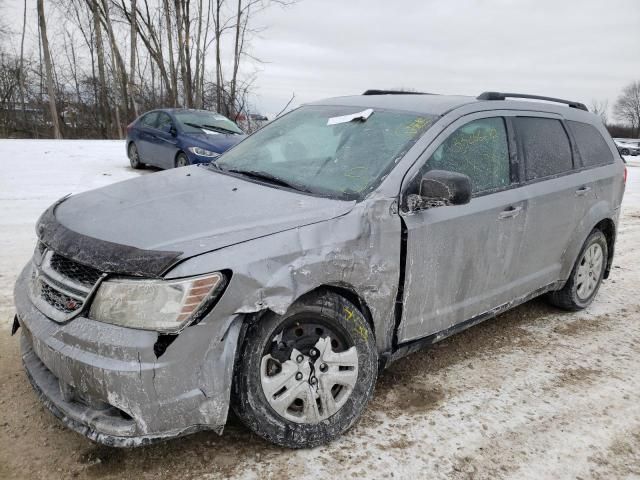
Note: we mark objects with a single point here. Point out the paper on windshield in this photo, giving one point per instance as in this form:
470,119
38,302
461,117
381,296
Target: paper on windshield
363,115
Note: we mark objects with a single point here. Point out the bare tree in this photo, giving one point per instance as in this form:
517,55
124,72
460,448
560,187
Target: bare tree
21,72
47,63
132,64
627,107
601,108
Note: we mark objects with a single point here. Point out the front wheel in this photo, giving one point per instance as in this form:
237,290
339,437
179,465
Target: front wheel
586,276
305,377
182,160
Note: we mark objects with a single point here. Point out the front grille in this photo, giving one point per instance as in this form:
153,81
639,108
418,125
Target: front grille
82,274
58,300
60,286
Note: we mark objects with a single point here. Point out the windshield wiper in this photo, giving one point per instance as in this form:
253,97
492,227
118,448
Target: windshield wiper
212,127
266,177
220,129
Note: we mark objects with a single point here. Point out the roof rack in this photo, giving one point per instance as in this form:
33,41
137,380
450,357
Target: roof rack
393,92
504,96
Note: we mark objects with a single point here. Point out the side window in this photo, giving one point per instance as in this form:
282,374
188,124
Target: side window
164,122
149,120
547,150
592,147
479,150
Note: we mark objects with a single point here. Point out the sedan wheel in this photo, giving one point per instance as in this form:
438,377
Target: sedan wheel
134,156
182,160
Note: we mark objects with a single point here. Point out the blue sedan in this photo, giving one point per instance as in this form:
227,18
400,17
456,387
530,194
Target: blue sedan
178,137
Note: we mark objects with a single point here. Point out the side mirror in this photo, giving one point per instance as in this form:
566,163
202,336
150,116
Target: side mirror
173,131
440,187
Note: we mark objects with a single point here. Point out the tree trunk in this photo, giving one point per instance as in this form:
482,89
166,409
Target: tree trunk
218,62
119,70
132,64
236,60
47,64
172,66
102,78
181,55
21,72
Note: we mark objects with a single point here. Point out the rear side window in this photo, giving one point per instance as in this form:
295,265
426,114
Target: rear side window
477,149
149,120
592,147
547,150
163,122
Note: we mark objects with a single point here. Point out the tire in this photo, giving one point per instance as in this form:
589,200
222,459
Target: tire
576,295
134,156
624,152
272,351
182,160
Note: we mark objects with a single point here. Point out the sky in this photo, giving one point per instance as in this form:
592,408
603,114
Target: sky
583,50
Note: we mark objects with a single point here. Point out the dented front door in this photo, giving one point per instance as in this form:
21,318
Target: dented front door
461,260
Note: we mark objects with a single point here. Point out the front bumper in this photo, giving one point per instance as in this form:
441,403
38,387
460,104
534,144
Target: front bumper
106,382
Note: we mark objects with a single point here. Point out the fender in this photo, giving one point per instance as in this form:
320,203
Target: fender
596,214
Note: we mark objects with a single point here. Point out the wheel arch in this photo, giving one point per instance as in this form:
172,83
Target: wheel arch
608,227
345,290
602,222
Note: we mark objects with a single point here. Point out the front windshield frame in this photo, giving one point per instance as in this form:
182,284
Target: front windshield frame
214,119
426,121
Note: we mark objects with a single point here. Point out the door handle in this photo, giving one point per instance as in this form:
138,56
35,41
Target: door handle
510,212
582,191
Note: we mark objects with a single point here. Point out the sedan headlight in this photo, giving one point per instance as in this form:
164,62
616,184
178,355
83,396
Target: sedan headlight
163,305
203,152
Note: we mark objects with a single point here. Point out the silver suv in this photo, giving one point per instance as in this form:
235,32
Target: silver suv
330,243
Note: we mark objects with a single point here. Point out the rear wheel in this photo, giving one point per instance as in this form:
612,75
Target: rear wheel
182,160
586,276
305,377
624,151
134,156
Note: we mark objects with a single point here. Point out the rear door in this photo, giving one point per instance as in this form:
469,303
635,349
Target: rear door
145,140
460,260
555,195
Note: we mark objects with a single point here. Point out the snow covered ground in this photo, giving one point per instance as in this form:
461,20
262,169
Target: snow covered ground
535,393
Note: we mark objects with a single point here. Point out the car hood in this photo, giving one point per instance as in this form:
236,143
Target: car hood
218,142
177,213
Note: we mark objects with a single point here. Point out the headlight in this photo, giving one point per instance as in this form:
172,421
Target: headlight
203,153
163,305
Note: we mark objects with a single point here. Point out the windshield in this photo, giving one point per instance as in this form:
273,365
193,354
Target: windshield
205,122
320,153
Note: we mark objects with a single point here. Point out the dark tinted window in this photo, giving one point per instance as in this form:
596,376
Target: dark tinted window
546,146
592,147
149,120
479,150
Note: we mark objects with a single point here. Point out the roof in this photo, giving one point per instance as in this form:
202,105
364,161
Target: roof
432,104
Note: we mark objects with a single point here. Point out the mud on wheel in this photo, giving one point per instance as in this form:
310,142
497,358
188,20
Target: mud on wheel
305,377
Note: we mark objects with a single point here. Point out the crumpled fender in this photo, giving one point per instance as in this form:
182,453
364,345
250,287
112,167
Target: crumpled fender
359,251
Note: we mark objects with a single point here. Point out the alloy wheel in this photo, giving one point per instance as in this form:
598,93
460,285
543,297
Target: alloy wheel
589,271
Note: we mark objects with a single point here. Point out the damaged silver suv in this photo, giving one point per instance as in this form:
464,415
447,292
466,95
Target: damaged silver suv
335,240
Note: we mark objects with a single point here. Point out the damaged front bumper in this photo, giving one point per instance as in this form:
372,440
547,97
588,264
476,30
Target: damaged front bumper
107,383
